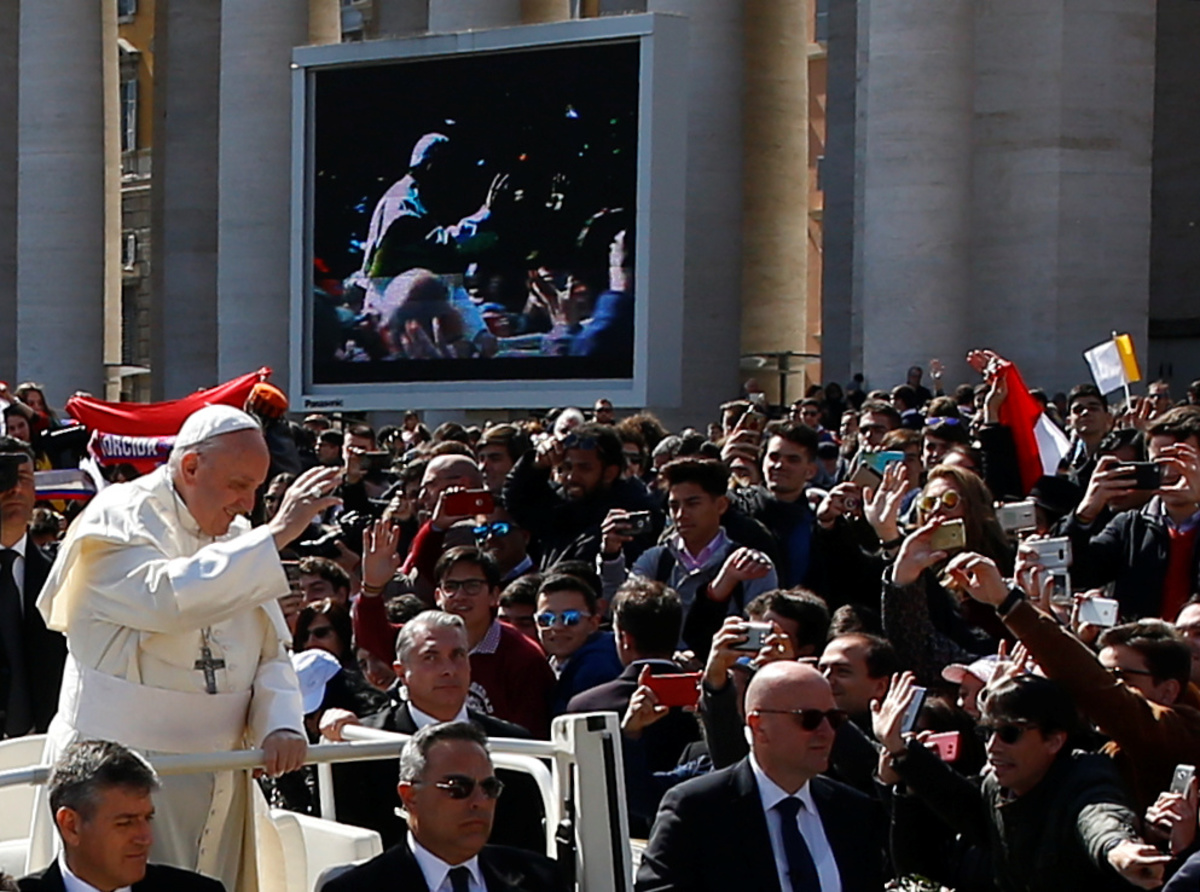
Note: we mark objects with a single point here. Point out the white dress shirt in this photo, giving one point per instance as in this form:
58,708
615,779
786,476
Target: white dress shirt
73,883
18,567
421,719
437,871
811,828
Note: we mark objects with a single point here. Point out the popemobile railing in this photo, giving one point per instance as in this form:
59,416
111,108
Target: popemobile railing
579,773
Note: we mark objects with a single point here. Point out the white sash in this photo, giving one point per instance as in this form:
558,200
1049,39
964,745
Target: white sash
105,707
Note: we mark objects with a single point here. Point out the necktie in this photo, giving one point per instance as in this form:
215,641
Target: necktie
18,717
801,867
460,879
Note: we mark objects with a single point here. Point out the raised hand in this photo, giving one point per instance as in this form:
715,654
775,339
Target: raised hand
380,559
881,507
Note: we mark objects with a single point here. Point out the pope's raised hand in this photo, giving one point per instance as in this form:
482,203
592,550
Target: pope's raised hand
307,497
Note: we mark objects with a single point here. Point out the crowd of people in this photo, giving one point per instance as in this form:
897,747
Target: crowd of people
852,645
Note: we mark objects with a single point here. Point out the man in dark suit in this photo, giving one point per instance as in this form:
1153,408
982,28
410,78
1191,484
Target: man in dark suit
449,791
100,794
433,664
31,656
770,822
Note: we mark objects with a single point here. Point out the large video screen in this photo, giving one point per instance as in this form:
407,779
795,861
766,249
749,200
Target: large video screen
473,217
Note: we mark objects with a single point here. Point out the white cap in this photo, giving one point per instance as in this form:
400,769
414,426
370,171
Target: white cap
213,421
314,668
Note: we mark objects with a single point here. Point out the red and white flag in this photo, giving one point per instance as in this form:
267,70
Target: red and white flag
1039,442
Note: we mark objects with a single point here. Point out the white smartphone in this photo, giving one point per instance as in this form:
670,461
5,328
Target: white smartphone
1099,612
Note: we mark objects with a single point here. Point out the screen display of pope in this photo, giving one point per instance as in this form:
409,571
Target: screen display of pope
177,643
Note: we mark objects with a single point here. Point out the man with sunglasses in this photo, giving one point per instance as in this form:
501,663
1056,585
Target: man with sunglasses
771,821
506,541
1137,691
1051,818
568,625
450,792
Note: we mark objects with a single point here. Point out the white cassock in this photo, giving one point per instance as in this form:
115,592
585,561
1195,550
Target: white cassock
140,592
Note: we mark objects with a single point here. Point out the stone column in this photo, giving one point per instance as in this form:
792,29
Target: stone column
401,18
838,178
113,316
8,189
183,266
1175,239
473,15
775,203
713,240
61,198
916,144
255,183
1063,144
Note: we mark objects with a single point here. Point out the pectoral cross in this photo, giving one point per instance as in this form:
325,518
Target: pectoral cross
208,665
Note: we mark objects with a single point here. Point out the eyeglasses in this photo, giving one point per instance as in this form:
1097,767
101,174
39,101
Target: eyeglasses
499,529
320,632
466,586
574,441
634,458
459,786
949,499
810,719
1008,732
1119,672
567,618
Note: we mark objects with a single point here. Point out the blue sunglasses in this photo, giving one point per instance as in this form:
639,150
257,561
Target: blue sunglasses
568,618
498,529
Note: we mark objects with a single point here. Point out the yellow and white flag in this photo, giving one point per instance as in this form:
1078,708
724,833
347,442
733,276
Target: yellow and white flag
1114,363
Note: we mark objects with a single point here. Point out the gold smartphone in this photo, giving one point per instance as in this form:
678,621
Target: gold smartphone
950,535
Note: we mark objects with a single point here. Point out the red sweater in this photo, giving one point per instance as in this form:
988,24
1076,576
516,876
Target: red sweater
512,679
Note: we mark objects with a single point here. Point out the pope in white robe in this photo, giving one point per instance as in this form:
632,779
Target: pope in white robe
169,602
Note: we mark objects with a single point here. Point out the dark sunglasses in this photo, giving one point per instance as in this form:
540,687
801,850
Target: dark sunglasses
568,618
574,441
810,719
459,786
1008,732
1120,672
498,529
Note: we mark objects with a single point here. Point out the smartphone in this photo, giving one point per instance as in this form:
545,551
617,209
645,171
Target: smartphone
1099,612
909,722
1016,517
681,689
1181,780
1147,475
469,501
637,522
292,570
878,461
756,635
1062,594
374,462
950,535
866,477
946,745
753,420
1053,554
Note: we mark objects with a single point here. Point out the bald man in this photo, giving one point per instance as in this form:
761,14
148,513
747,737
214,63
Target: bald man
771,821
